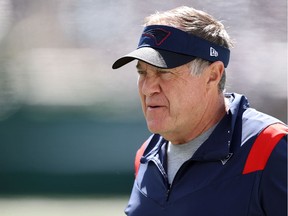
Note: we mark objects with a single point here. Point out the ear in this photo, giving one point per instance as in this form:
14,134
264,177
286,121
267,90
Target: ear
215,72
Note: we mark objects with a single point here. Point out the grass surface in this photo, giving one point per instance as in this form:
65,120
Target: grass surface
62,206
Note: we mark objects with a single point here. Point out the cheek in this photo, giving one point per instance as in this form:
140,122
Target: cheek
187,99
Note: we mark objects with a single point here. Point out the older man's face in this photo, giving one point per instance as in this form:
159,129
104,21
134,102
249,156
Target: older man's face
173,100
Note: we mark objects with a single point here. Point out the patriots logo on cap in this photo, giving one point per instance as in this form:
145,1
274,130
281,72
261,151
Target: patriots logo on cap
159,35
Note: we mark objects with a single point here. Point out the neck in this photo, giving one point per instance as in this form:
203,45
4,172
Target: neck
215,110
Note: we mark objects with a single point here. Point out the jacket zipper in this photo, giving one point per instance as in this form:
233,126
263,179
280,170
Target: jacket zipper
170,186
168,193
165,176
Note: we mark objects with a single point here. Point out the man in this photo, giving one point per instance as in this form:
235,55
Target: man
210,154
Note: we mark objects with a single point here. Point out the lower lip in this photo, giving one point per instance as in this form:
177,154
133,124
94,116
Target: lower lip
154,108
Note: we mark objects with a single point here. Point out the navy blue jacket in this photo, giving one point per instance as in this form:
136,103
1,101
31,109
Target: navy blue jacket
212,182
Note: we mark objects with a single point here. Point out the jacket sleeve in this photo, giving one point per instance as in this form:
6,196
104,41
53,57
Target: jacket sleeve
273,184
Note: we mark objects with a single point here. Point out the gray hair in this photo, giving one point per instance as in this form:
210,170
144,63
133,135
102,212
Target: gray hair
198,23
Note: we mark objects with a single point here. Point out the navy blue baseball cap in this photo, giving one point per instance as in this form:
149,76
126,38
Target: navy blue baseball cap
168,47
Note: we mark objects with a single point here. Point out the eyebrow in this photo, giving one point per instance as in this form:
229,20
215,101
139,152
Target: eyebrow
139,67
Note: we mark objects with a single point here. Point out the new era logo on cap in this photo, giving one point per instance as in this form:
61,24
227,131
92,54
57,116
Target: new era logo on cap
159,35
213,52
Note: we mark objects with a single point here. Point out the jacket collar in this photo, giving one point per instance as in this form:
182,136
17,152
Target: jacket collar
218,145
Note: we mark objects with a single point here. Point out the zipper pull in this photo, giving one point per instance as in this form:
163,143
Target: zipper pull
168,192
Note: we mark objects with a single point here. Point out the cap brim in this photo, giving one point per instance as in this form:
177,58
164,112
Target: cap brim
157,58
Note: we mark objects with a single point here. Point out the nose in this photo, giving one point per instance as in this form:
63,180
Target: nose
149,85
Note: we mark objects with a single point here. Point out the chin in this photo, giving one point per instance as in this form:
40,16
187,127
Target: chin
155,128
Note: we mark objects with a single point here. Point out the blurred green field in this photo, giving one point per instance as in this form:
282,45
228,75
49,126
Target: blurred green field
62,206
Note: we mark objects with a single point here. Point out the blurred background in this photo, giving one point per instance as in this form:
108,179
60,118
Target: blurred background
70,125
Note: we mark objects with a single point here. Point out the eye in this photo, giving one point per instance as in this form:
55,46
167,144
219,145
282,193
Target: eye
141,72
165,74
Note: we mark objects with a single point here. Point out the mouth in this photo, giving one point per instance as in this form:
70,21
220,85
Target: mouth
154,107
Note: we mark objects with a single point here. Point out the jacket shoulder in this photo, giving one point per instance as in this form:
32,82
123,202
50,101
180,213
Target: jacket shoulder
263,146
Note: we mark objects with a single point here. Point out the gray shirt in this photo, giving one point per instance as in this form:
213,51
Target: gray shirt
177,154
